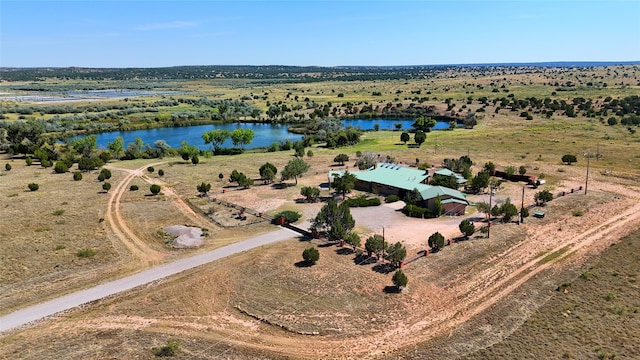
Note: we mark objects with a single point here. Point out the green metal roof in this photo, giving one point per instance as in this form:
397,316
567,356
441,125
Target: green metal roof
446,172
430,192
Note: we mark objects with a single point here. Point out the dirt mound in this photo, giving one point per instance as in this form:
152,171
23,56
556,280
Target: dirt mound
186,236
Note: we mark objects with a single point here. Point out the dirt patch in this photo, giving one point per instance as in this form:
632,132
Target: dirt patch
185,236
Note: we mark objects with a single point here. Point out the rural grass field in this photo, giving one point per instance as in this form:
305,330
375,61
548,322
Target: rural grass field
481,298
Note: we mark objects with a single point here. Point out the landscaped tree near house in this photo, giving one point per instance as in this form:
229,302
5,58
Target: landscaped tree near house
400,280
204,188
466,228
341,159
436,242
352,239
483,207
480,181
508,211
569,159
490,167
294,168
375,244
333,220
311,193
344,183
396,253
311,255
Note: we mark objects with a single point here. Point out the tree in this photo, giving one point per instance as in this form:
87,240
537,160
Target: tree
268,172
28,161
341,159
242,137
298,148
188,151
311,255
366,161
480,181
424,124
404,137
161,147
60,167
77,176
155,189
116,147
508,211
543,196
105,174
204,188
150,169
85,145
466,228
490,167
160,172
483,207
333,220
569,159
510,170
344,183
33,186
374,244
106,186
352,239
311,193
216,137
294,168
396,253
195,160
436,242
522,170
399,279
420,137
413,197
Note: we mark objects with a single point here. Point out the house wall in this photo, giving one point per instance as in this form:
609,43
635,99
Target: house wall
448,209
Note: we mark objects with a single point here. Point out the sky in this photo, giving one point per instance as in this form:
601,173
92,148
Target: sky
139,33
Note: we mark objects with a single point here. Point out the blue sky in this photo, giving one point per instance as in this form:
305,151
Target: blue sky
324,33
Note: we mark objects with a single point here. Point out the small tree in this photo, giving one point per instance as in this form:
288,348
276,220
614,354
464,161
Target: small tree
483,207
150,169
133,188
489,167
399,279
467,228
268,172
77,175
294,168
420,137
33,186
522,170
311,193
543,196
341,159
221,176
155,189
195,160
374,244
203,188
508,211
569,159
160,172
344,183
404,137
311,255
170,349
7,167
60,167
352,239
436,242
396,253
29,161
106,186
106,174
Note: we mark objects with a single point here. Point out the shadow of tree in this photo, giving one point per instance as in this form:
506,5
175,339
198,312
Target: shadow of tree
344,251
303,264
364,259
384,268
391,289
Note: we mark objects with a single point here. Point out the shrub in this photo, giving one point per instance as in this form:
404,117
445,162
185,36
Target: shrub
170,349
399,279
86,253
33,186
391,198
151,169
106,186
61,167
29,160
58,212
577,213
289,215
7,167
160,172
417,211
155,189
106,173
77,175
362,201
133,188
311,255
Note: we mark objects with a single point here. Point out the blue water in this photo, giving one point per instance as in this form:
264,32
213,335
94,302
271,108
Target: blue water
265,135
388,124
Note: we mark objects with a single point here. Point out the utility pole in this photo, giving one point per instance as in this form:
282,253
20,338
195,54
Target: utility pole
586,183
522,207
490,196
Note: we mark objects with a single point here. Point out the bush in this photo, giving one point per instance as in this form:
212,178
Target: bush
77,175
86,253
106,173
170,349
106,186
391,198
311,255
60,167
289,215
399,279
33,186
29,160
7,167
133,188
155,189
151,169
160,172
362,201
417,211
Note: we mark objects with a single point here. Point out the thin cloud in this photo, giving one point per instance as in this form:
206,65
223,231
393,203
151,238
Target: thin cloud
168,25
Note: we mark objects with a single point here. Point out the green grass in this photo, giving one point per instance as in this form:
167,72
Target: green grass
554,255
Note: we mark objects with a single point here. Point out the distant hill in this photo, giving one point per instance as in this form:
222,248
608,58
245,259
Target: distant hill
269,73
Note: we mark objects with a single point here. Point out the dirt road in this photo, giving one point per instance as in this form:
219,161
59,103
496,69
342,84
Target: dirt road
37,312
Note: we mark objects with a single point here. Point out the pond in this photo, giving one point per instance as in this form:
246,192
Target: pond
265,135
388,124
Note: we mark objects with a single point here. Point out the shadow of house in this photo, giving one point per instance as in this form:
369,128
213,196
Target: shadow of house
391,179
